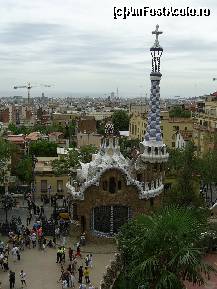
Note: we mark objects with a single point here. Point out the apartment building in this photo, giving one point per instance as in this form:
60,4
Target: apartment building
169,127
47,183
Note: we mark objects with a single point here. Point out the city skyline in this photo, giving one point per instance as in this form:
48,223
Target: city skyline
79,48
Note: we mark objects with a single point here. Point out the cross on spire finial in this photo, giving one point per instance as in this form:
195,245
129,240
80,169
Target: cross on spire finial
157,33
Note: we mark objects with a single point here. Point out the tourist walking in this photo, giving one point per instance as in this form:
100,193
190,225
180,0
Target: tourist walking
63,254
78,252
64,284
28,220
57,233
14,253
59,255
83,239
33,239
80,274
87,260
11,279
90,257
70,252
1,259
74,266
5,264
87,275
18,254
72,280
23,278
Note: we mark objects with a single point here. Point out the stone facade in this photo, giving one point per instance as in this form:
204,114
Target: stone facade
169,126
47,184
84,139
97,196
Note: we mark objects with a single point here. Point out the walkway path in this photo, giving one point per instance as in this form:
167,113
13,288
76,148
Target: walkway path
43,272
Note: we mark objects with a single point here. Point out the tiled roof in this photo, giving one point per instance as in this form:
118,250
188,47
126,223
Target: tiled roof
33,136
55,134
16,138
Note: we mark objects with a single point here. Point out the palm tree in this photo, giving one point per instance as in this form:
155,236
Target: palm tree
160,250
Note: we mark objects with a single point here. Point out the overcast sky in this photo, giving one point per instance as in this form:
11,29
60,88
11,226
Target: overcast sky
78,47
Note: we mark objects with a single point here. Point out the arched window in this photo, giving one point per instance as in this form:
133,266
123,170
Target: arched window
155,167
139,177
105,185
151,202
161,167
112,185
119,185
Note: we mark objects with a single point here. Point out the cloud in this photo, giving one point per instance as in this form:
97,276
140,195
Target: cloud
75,42
24,33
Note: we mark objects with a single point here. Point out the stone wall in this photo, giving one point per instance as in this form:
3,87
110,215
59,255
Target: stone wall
96,196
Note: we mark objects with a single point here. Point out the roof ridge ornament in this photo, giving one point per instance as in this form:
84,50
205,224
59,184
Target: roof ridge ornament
157,33
156,53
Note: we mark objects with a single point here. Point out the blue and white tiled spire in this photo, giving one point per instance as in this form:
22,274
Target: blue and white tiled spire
153,131
153,146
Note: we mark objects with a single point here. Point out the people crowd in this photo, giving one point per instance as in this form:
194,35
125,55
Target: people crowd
71,272
75,269
22,238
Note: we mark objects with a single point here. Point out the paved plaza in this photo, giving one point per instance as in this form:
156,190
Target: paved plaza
41,268
43,272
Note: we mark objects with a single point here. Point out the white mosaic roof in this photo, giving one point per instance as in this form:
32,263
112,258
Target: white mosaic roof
108,155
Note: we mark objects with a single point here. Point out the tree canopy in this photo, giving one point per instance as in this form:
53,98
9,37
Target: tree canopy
86,153
207,167
128,145
72,159
160,251
67,130
183,165
24,170
43,148
100,127
120,120
6,150
177,111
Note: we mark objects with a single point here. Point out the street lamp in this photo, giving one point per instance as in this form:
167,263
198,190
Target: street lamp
55,206
54,213
7,199
49,192
8,203
34,161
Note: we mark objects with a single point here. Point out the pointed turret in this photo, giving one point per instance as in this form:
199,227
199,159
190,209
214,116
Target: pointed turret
149,167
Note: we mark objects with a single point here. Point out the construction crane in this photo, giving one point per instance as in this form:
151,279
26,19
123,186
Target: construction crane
29,87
